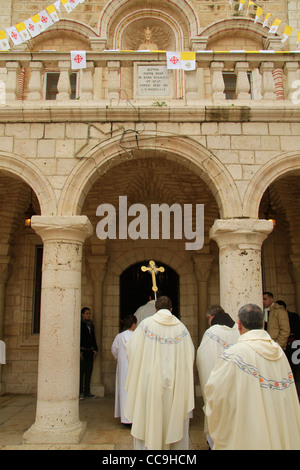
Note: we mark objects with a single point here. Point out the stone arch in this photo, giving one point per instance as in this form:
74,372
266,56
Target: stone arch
31,175
181,11
184,150
79,32
271,171
242,26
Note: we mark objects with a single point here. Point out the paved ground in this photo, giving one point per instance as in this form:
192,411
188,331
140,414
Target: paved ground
104,432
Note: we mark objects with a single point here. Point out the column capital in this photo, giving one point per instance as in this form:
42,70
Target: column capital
244,232
202,265
98,266
74,228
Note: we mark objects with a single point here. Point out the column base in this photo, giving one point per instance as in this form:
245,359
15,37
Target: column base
64,435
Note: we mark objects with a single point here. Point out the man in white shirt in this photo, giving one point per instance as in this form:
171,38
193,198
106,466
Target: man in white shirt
146,310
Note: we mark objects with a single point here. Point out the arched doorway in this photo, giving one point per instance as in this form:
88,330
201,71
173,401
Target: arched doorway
135,287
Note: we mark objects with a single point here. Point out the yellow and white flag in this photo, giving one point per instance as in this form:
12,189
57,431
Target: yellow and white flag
22,30
274,26
242,3
67,5
298,39
4,42
266,19
34,25
286,33
188,60
14,35
259,12
52,13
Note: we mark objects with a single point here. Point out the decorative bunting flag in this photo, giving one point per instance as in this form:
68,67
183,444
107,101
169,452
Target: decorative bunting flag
259,12
242,3
78,60
45,19
298,39
67,5
274,26
4,42
266,19
14,35
73,3
22,30
52,13
286,33
188,60
32,27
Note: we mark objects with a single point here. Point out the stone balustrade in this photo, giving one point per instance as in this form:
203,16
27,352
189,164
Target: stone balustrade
114,77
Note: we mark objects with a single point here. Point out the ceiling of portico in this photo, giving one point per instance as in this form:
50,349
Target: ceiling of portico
151,181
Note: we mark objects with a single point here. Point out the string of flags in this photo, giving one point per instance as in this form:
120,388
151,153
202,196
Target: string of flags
36,24
261,15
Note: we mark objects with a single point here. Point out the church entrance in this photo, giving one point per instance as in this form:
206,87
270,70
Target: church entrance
136,286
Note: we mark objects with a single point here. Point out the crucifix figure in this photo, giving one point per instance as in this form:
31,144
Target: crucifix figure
153,270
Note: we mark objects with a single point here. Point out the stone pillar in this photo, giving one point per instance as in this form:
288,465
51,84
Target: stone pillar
114,86
64,85
242,81
240,242
98,265
203,266
12,80
57,414
4,272
35,88
87,82
291,79
218,85
267,81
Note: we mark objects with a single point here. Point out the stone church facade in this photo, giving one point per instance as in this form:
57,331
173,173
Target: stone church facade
225,135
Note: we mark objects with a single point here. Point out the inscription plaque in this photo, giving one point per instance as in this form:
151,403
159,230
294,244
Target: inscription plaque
152,81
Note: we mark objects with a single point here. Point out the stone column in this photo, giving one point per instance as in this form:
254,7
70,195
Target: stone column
217,80
267,82
4,272
203,266
242,81
87,82
12,83
113,87
64,85
57,414
35,87
98,265
240,242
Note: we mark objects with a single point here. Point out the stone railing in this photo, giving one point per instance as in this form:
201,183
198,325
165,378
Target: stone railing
114,78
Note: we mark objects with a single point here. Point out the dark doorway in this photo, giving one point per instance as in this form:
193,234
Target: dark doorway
136,286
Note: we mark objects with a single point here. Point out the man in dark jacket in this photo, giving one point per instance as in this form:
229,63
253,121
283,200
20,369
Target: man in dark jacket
88,352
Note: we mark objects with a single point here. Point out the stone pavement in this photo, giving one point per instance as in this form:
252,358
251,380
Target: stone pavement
104,432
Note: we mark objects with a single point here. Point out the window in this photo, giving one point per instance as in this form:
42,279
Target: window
52,82
37,288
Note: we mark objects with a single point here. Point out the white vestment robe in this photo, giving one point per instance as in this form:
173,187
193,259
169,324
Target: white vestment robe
215,341
251,398
118,350
160,381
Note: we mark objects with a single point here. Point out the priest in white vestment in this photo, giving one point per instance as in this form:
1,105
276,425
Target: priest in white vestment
160,384
118,350
251,398
222,333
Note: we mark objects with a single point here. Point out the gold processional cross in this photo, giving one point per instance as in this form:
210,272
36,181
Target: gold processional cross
153,270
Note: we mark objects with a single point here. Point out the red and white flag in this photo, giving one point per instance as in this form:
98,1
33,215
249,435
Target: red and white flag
14,35
45,19
173,60
78,60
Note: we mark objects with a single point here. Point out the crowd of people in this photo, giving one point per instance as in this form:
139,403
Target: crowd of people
245,368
